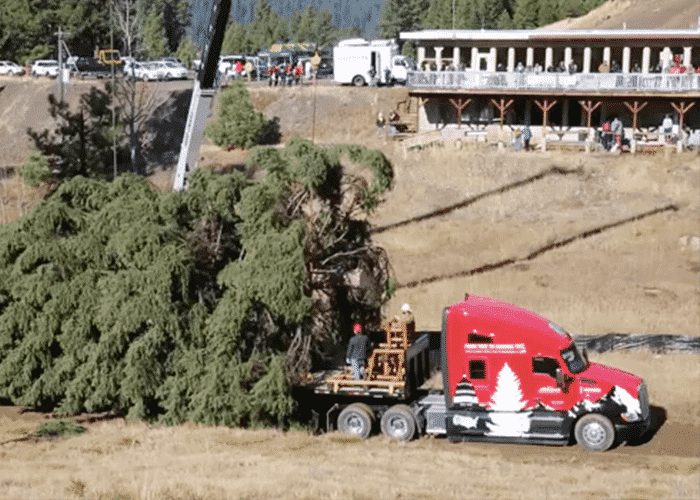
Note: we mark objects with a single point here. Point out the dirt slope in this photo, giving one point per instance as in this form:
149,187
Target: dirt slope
637,14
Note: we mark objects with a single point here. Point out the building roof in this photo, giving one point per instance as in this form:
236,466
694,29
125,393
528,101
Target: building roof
554,35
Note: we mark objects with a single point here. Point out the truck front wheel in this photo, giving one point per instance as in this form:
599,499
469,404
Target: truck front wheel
595,432
358,81
356,420
398,423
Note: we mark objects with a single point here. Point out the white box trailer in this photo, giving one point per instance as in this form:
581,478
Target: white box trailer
359,62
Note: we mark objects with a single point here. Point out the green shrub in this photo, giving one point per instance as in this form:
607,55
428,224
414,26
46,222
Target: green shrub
59,428
238,124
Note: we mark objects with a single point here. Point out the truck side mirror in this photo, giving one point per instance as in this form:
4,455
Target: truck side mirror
561,379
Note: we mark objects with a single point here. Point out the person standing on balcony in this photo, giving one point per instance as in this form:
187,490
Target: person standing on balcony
573,67
604,67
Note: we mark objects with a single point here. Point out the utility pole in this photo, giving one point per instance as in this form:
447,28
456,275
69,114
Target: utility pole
113,87
61,45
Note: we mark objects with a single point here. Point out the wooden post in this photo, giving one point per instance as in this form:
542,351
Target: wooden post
459,104
635,109
589,107
502,106
545,106
681,109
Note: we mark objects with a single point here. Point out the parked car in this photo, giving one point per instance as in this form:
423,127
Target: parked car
86,67
167,70
45,67
141,71
10,68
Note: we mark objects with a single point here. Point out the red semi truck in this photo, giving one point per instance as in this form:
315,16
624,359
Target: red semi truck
509,375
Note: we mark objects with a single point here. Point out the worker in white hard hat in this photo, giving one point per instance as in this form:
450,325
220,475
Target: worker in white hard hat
407,314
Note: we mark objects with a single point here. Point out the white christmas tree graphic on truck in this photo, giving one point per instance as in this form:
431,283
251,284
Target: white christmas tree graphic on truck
506,403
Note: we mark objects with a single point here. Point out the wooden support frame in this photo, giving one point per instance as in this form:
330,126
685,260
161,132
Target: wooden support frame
681,108
545,105
502,106
460,105
635,108
589,107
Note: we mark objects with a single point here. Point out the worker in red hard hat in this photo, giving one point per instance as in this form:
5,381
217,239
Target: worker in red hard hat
358,349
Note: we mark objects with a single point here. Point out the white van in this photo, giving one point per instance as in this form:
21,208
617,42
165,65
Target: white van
358,61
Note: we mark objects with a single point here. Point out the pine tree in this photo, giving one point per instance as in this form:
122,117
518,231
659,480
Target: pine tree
237,123
236,39
204,305
154,40
526,14
549,12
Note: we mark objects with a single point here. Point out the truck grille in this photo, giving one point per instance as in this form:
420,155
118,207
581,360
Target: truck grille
644,401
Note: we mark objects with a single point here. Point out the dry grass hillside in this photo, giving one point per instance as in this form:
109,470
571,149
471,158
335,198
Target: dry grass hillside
598,242
637,14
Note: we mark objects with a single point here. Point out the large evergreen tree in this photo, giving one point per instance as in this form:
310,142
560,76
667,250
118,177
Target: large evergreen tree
154,38
204,305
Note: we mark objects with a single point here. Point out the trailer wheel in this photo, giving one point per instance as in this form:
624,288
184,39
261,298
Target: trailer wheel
398,423
595,432
356,420
358,81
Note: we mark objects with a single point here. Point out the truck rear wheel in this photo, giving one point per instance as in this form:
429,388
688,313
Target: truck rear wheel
356,420
595,432
398,423
358,81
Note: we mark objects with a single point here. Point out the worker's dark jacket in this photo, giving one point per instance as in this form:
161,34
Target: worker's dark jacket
358,347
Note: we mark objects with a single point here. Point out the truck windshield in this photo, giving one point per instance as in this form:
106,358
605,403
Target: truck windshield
573,359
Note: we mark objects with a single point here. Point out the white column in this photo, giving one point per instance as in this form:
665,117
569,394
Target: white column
586,59
687,55
492,59
568,55
606,56
530,57
421,57
666,57
438,57
548,57
475,59
646,59
511,59
626,54
456,57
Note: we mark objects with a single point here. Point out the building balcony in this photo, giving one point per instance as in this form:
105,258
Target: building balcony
555,83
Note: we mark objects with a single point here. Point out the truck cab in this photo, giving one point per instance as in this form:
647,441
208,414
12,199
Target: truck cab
512,375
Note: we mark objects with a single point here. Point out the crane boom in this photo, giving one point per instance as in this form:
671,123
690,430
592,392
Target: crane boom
203,93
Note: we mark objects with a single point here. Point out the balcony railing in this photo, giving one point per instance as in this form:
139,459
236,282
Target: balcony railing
483,80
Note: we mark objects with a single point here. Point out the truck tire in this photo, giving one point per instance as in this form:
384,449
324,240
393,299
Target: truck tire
595,432
398,423
358,81
356,420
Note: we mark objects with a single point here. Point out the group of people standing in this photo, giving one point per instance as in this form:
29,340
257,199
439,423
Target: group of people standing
285,74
